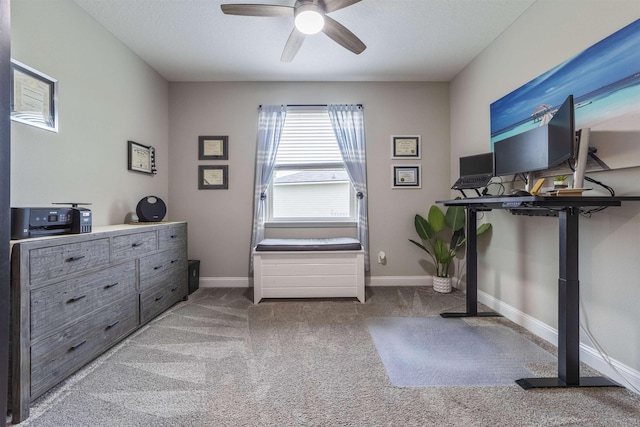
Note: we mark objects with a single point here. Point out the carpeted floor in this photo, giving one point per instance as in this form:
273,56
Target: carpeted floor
218,360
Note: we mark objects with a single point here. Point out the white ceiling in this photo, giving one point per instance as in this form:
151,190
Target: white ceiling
407,40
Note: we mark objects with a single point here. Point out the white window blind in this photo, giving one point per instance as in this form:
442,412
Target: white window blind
310,182
308,138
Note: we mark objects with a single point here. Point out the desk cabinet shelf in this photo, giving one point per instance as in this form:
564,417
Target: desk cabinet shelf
76,296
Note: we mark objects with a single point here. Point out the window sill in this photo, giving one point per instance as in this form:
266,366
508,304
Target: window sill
311,224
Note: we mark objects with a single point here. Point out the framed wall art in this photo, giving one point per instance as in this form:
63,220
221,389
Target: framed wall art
213,148
213,177
406,176
141,158
34,97
405,147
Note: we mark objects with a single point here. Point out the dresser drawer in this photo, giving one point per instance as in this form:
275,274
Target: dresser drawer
55,305
155,301
131,245
59,355
58,261
157,268
172,237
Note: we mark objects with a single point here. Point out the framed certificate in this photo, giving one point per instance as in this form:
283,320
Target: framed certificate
405,147
213,177
213,148
406,176
141,158
34,97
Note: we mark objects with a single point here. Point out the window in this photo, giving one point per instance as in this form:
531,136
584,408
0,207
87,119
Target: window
310,182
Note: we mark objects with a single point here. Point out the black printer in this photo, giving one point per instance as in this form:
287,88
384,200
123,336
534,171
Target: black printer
38,222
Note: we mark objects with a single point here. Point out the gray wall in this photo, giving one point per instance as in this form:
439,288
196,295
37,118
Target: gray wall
220,220
519,266
107,95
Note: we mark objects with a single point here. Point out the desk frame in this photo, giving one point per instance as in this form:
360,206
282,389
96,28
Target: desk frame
568,209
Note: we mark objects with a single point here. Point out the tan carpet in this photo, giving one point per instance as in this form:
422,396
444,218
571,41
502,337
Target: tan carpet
219,360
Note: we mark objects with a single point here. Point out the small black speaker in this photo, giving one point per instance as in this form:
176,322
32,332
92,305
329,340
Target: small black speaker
151,209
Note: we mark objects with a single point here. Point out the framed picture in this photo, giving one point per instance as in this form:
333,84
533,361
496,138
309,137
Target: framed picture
141,158
406,176
34,97
212,177
213,148
405,147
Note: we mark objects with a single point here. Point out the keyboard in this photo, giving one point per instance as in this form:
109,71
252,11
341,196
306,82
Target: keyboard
471,181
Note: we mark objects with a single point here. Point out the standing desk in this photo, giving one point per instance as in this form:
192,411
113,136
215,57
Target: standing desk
567,209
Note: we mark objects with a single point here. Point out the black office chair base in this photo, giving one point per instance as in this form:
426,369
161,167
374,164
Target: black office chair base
482,314
529,383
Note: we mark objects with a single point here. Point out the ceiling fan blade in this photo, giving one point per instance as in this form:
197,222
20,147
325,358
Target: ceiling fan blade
257,10
341,35
333,5
293,45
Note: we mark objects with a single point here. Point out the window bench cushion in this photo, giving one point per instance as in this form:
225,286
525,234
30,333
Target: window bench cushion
322,244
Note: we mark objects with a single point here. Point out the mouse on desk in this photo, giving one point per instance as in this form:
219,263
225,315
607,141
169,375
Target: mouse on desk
519,193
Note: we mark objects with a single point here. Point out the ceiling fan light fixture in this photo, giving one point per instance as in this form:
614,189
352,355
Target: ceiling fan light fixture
309,18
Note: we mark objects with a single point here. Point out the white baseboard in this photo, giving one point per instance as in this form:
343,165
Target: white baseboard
244,282
622,373
226,282
399,281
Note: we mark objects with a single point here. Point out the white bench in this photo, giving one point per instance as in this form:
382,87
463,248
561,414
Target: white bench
308,268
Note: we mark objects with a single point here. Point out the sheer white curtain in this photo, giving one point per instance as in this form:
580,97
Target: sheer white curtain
270,124
348,125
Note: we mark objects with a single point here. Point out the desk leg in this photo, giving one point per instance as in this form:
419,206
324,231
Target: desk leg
472,270
568,314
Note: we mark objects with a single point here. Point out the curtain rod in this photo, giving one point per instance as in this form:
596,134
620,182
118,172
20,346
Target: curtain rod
309,105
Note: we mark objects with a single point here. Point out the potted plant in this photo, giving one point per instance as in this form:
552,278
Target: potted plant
560,181
442,236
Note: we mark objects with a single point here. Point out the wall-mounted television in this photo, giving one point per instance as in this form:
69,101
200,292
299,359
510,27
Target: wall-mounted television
539,148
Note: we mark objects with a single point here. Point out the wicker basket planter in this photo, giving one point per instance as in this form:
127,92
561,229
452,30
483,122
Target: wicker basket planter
442,284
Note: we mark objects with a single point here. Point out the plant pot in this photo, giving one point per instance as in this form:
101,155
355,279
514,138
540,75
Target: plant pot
442,284
560,184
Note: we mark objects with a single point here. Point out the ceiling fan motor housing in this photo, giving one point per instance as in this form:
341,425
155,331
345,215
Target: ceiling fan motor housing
309,17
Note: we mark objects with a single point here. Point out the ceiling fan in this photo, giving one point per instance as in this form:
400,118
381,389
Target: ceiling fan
310,17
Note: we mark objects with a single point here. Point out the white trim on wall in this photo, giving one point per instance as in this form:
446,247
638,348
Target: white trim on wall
245,282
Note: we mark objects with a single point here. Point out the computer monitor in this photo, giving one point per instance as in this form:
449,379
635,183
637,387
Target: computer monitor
538,148
522,153
562,133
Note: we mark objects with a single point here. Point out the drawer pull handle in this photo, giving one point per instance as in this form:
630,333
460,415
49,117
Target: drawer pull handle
158,267
74,299
75,347
174,261
174,289
159,298
173,236
135,245
111,285
75,258
112,325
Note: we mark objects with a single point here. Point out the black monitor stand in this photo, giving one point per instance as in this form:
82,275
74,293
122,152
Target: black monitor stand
465,195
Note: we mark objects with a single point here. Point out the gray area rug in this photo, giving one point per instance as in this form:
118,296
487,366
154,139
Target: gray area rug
218,360
432,351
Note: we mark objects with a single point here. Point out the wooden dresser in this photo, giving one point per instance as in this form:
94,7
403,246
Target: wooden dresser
75,296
